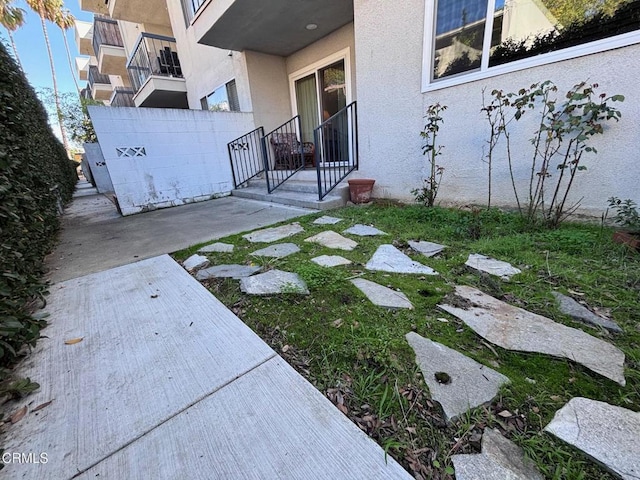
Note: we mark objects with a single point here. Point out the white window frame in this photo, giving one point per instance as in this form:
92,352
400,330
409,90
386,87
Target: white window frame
313,68
485,71
224,85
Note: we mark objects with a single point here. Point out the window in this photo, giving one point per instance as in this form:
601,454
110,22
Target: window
223,99
472,38
189,9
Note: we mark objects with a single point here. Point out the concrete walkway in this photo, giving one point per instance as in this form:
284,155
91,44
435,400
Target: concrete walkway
145,374
95,237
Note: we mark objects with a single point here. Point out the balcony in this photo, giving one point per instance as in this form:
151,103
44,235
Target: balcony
95,6
156,74
100,84
109,48
82,67
84,37
85,93
122,97
279,27
140,11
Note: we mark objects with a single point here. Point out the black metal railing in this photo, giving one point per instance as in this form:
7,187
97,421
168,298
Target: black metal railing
106,32
85,93
245,153
283,153
153,55
122,97
336,152
96,77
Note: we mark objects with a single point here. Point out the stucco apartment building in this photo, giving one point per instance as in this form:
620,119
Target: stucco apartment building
281,58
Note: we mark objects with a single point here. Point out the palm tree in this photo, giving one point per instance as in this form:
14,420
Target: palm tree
51,10
11,18
65,20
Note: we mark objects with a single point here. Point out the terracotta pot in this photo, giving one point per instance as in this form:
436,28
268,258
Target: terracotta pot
360,189
627,238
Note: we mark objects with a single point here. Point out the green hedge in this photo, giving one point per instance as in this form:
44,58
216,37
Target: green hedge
35,175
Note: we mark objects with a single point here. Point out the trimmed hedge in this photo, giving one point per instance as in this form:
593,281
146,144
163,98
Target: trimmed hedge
35,177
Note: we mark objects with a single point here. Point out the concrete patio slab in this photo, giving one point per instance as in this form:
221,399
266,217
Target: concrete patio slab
269,424
154,342
95,237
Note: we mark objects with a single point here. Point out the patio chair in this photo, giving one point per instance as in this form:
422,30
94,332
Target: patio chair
287,151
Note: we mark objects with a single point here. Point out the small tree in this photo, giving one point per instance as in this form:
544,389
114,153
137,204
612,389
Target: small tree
428,193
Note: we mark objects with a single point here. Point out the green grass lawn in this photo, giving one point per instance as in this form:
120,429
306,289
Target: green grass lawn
356,353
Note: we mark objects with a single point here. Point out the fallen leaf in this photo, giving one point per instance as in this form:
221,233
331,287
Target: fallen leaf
41,406
338,323
73,341
573,292
555,398
505,414
18,415
535,409
285,349
443,320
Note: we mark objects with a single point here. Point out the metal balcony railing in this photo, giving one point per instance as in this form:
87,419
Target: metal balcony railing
96,77
153,55
85,93
105,32
122,97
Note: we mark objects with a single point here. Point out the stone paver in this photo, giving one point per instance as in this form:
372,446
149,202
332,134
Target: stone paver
491,266
501,459
606,433
274,234
326,220
382,296
428,249
570,307
388,258
516,329
331,239
330,260
466,384
217,247
195,261
227,271
273,282
277,251
364,231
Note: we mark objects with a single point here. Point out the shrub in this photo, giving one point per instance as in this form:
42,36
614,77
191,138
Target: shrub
36,178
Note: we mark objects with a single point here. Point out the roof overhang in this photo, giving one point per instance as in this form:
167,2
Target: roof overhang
278,27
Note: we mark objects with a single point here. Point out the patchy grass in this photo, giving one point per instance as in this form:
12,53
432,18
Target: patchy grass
356,353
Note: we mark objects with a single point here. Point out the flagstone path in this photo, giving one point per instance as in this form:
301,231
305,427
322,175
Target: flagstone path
606,433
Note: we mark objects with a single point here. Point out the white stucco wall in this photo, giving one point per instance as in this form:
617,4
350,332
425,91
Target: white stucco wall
185,157
206,68
391,108
99,171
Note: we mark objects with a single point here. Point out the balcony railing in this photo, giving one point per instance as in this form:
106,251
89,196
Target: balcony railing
85,93
96,77
106,32
122,97
153,55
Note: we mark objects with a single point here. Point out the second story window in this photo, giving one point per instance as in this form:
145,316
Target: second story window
222,99
189,8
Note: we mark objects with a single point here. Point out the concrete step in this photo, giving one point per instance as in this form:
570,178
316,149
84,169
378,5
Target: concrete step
293,198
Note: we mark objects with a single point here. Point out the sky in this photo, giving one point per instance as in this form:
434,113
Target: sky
33,52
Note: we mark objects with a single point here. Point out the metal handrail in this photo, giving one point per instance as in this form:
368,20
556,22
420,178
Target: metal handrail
245,154
336,152
153,55
282,159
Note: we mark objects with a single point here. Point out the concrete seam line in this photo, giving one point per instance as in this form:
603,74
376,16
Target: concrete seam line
162,422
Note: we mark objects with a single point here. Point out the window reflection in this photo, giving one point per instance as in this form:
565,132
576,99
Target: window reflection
459,36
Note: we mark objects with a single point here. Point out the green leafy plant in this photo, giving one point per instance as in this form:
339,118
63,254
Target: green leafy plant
561,139
428,193
626,213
